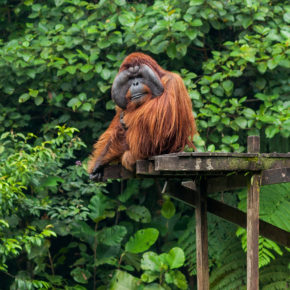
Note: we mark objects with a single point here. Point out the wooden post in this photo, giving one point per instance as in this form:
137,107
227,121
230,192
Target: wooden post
253,144
201,237
253,221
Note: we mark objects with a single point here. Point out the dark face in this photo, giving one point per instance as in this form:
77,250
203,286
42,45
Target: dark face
135,84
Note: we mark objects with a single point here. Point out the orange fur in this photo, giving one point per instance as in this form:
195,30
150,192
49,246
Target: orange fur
159,125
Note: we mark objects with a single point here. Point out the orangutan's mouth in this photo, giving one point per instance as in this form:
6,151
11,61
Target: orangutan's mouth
137,96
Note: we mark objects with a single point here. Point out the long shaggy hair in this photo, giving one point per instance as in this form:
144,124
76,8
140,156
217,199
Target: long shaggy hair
163,124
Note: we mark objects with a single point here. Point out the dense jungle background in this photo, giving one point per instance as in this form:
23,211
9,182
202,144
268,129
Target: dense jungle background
58,59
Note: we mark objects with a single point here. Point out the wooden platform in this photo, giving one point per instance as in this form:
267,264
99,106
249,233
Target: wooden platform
215,172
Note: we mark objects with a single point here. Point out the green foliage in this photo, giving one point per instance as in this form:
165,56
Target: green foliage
230,272
161,268
58,59
142,240
219,234
274,209
276,275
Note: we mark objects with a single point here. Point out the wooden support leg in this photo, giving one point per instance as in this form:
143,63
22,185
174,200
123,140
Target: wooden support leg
253,233
201,237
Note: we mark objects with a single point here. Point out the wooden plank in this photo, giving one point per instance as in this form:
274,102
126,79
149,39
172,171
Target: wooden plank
116,171
225,183
146,167
226,212
253,144
232,182
224,154
216,164
277,175
206,164
201,237
253,233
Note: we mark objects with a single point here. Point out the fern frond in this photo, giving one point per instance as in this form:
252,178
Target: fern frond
280,285
276,275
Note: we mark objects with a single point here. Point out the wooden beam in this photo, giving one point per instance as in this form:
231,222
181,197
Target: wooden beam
225,183
116,171
201,237
228,213
232,182
277,175
182,163
253,233
253,207
253,143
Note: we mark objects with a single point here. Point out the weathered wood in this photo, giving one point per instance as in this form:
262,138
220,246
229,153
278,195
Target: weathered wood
226,212
189,164
146,167
232,182
209,164
277,175
217,163
225,183
253,233
116,171
201,237
224,154
253,144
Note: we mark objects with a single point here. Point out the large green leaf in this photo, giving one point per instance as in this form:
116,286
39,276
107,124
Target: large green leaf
142,240
175,258
168,209
124,281
139,213
99,206
112,236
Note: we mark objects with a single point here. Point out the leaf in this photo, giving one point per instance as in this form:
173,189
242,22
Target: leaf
286,17
123,281
80,275
33,93
151,261
271,131
196,2
191,34
228,85
105,74
71,69
241,122
74,103
171,50
132,188
180,26
112,236
154,286
149,276
23,98
168,209
194,95
127,19
142,240
120,2
86,107
230,139
58,2
139,213
177,278
175,258
99,204
38,100
52,181
86,68
249,113
196,22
